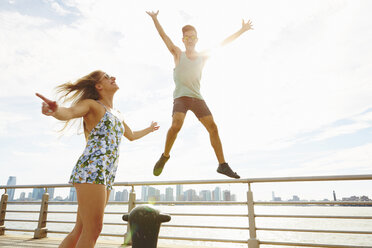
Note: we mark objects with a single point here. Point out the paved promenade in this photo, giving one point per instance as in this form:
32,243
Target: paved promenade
8,241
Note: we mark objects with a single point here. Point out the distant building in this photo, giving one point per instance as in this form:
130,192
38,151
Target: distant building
169,194
72,196
274,198
121,195
190,195
205,195
153,194
11,181
37,193
295,198
334,196
216,194
22,197
112,195
179,192
144,193
51,193
226,195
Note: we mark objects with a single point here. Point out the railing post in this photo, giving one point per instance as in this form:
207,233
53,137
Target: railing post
4,201
131,205
252,241
41,230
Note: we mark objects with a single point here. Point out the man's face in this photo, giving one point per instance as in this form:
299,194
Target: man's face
189,39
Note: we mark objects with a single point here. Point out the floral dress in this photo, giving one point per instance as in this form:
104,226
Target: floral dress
99,161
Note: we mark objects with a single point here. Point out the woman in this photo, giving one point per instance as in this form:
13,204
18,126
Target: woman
94,173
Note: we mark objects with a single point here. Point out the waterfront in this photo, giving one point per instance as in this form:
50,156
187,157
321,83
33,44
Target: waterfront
324,224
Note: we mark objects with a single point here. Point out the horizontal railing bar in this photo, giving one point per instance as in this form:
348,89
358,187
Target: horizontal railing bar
102,234
212,227
61,212
311,230
196,203
311,245
24,202
22,211
73,222
62,203
14,220
59,232
227,181
312,216
18,230
206,239
208,215
351,203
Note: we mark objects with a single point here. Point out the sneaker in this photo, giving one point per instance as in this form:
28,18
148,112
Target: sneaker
225,169
158,168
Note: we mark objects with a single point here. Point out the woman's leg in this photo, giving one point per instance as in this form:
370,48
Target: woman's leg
91,204
73,237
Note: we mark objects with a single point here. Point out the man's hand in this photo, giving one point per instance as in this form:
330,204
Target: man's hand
153,14
246,25
49,107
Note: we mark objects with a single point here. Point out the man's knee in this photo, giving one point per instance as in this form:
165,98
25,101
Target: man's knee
212,128
176,126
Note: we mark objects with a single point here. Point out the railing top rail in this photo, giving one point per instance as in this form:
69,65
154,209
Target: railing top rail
222,181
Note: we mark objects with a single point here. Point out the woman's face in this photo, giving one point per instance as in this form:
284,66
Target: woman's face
107,82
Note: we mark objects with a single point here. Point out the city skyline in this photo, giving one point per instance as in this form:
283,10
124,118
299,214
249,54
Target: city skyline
152,194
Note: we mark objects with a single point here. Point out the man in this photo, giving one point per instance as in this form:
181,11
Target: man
187,75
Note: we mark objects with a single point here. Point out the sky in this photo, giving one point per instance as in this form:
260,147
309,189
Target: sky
290,98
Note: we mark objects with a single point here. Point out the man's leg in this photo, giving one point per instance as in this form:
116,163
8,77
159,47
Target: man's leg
177,122
214,137
212,129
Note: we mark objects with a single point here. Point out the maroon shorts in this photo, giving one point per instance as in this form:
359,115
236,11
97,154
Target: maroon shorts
197,106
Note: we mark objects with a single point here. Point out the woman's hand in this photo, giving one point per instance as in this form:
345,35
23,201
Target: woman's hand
154,126
48,107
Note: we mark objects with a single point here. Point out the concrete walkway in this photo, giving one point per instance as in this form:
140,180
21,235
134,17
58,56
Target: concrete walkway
7,241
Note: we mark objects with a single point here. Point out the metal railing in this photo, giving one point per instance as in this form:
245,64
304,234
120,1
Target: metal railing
251,239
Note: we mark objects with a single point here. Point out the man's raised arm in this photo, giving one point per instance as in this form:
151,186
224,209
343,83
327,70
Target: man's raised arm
245,27
168,42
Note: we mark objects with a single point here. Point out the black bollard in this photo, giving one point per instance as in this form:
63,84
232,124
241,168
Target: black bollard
144,222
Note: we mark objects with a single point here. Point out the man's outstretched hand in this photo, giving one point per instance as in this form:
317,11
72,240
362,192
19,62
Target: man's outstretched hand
246,25
153,14
48,107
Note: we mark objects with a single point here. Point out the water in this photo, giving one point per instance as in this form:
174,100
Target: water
324,224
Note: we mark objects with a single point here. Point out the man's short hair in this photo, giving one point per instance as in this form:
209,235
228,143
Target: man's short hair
188,28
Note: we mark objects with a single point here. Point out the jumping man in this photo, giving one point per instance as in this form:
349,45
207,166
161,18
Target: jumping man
187,75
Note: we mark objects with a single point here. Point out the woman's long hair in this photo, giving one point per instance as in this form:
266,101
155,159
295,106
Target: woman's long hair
81,89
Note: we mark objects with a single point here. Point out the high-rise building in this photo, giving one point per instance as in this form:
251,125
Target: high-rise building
112,195
22,197
11,181
37,193
169,194
72,196
144,193
125,195
226,195
205,195
179,192
51,193
217,194
190,195
153,194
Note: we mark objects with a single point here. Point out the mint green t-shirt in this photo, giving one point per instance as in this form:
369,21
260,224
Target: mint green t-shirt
187,76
